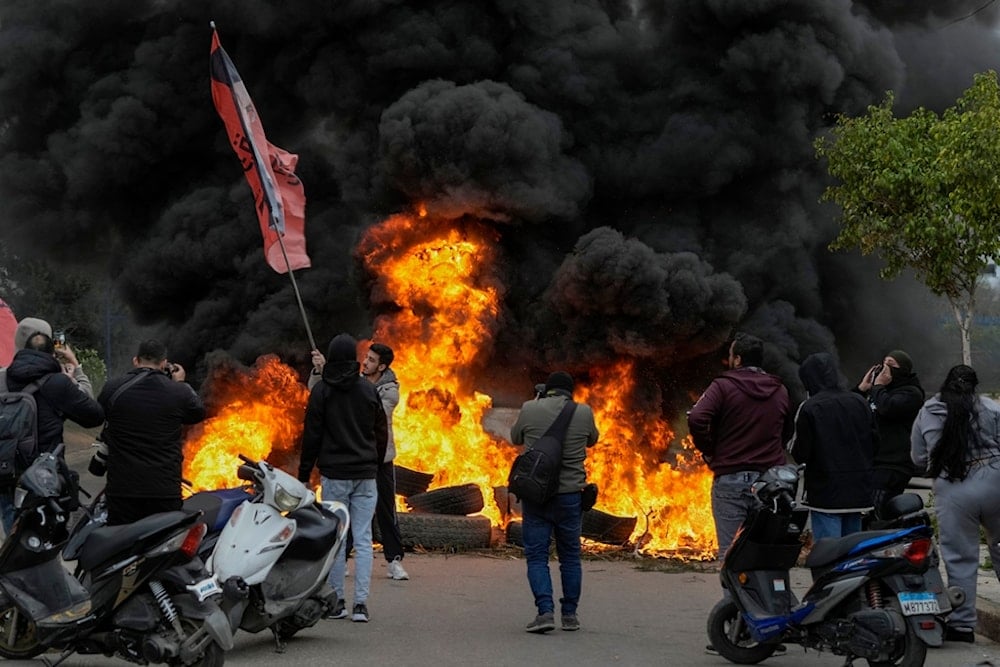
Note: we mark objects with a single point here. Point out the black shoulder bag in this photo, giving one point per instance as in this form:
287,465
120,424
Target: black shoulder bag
535,474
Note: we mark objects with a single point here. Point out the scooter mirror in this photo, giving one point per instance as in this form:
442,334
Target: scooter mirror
787,474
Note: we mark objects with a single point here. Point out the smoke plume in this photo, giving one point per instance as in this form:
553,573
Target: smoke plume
648,166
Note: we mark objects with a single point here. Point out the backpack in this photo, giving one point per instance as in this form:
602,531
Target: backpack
18,429
534,476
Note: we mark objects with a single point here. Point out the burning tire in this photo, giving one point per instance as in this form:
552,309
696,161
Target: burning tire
506,502
411,482
442,531
454,500
515,533
607,528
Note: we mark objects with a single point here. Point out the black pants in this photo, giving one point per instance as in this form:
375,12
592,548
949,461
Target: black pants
887,484
127,509
385,512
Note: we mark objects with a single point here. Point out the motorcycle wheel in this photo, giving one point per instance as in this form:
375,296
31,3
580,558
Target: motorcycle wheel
213,656
910,652
18,639
730,637
286,629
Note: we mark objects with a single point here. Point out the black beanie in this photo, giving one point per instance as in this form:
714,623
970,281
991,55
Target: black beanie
560,380
903,359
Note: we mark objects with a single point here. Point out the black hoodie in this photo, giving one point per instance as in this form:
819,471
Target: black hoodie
58,399
896,406
835,436
345,430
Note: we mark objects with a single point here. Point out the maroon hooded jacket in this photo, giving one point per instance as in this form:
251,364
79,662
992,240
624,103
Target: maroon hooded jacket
742,421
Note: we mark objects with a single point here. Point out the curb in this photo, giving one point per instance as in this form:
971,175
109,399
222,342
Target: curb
988,617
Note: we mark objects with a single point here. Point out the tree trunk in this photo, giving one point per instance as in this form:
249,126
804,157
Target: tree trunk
963,317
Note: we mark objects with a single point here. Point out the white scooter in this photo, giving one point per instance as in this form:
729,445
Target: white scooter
274,545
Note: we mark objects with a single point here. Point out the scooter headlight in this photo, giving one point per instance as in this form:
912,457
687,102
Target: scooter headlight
285,501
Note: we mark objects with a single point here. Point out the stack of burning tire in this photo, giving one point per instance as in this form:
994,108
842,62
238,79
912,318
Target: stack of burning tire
439,519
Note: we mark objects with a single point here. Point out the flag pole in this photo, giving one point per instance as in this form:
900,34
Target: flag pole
295,288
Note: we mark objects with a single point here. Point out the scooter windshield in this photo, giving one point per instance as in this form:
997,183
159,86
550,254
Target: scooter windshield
42,477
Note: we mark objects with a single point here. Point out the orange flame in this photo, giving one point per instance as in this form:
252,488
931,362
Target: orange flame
446,305
261,415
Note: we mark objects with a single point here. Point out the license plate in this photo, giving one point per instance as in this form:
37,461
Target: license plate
205,589
918,603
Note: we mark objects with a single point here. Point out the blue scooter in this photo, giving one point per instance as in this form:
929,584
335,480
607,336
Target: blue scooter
869,598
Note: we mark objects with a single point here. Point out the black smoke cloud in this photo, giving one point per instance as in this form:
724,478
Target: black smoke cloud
648,166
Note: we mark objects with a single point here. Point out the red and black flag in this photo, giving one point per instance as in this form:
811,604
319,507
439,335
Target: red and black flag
270,171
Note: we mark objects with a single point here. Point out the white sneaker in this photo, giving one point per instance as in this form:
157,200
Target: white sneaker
396,570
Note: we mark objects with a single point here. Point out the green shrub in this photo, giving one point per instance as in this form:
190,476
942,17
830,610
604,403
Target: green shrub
94,366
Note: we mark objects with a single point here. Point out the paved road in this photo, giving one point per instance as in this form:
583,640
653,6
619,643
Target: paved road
471,609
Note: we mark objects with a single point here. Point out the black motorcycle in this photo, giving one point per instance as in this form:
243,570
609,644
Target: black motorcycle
139,591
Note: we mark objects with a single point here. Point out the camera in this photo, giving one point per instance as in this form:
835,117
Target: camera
99,461
876,371
170,369
59,338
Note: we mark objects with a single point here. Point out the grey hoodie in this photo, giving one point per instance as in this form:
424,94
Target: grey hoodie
387,387
926,432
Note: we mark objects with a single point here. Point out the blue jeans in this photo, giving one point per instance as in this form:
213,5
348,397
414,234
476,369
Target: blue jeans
360,496
731,504
834,525
563,516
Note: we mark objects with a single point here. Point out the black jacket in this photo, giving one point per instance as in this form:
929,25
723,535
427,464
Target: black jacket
896,406
144,433
345,430
835,436
57,400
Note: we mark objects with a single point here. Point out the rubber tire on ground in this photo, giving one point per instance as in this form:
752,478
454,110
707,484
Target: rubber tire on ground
27,645
607,528
745,651
411,482
456,500
443,531
515,533
912,653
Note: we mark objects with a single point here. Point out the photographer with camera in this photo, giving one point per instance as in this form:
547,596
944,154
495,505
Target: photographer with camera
146,410
895,396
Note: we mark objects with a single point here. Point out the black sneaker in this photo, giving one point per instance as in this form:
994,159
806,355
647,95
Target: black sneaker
542,623
360,614
339,610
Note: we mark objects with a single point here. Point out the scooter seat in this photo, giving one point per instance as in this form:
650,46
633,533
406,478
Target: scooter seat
830,549
107,542
316,531
216,506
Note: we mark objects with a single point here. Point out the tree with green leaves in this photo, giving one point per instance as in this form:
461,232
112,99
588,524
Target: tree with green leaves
923,192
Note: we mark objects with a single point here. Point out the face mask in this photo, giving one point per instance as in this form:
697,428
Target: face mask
896,373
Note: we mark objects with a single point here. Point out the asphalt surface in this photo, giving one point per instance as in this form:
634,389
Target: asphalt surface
461,609
471,609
